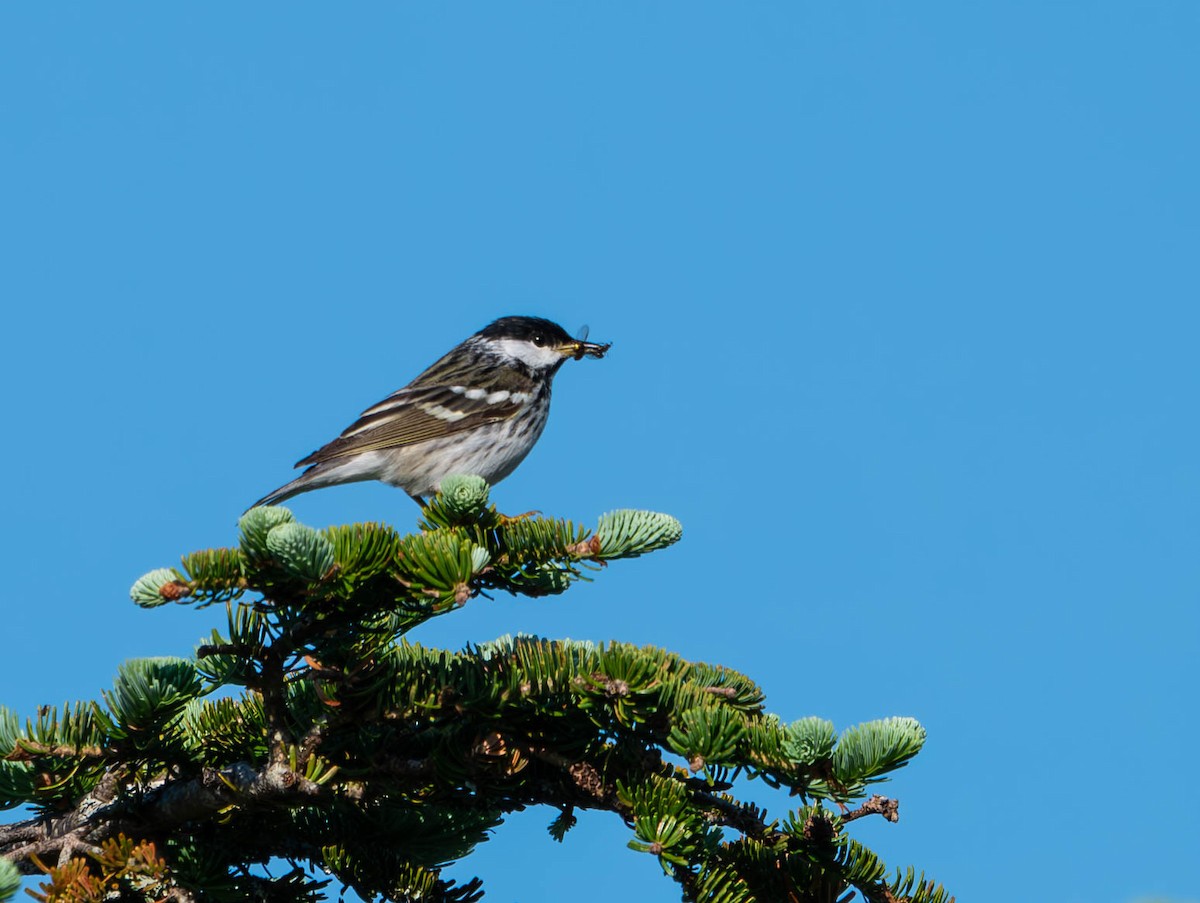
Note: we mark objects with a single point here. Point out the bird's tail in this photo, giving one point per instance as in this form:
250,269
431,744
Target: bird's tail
285,492
314,478
327,473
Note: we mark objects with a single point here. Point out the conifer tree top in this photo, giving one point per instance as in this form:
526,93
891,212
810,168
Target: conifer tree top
371,761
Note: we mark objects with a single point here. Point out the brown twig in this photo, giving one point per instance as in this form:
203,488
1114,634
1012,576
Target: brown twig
876,805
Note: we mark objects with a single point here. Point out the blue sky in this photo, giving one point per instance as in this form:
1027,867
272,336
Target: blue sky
905,309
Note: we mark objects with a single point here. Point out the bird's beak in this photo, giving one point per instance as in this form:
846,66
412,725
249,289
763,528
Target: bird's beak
580,349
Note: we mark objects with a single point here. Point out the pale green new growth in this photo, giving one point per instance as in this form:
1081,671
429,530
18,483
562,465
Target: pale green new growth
10,880
147,693
256,524
628,534
465,495
810,740
146,592
301,551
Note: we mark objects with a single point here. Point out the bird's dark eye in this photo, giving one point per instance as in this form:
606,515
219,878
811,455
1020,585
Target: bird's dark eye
540,341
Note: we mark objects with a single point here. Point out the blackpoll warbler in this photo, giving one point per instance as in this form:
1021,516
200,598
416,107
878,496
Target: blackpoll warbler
479,409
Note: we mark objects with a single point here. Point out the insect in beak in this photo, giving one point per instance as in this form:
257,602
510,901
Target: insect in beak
585,348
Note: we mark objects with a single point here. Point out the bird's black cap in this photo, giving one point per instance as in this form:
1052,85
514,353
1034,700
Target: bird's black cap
526,328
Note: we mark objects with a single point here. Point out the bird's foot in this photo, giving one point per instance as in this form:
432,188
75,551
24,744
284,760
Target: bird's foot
513,518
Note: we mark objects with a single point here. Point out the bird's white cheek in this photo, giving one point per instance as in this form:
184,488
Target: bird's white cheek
529,354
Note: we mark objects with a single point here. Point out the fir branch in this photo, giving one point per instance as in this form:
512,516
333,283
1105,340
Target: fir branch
354,751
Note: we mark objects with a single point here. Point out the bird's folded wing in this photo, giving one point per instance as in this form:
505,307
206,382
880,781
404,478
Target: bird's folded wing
414,415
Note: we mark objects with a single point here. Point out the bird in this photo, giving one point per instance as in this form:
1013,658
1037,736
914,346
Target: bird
479,409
